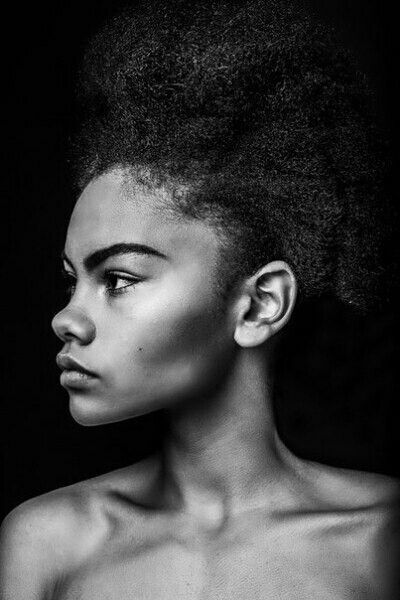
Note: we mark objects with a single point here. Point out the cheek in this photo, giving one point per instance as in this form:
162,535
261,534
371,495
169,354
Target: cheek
175,332
174,341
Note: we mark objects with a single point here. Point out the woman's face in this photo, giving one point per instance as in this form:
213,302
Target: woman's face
146,319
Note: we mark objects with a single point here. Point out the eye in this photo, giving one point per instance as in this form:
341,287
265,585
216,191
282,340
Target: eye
69,280
118,283
115,283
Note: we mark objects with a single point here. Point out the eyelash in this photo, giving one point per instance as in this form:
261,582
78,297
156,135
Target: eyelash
107,277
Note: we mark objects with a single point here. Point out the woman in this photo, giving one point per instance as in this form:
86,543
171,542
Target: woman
227,167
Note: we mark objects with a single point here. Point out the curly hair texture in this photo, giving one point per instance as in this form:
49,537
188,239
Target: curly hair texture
255,110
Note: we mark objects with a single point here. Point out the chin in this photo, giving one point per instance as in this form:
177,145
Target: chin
84,411
92,411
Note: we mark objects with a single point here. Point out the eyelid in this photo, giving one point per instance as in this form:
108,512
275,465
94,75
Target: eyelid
115,272
120,273
66,273
130,281
104,277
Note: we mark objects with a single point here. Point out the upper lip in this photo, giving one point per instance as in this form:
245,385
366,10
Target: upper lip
66,362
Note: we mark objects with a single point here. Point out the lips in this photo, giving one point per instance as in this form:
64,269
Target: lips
67,363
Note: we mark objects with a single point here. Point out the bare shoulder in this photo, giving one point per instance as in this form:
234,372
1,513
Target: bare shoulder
370,500
351,489
37,540
362,511
48,536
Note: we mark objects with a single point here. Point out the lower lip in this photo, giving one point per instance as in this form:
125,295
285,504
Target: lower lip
76,379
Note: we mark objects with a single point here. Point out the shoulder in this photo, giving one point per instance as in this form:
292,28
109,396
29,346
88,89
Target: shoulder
353,517
348,489
50,535
365,509
43,537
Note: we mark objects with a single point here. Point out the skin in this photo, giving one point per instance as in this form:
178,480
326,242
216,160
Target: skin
227,511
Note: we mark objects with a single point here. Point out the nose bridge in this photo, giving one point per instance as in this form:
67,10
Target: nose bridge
73,322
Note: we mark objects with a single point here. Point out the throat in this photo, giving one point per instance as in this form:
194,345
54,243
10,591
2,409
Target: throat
222,456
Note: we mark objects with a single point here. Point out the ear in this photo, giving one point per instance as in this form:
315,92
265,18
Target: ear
265,305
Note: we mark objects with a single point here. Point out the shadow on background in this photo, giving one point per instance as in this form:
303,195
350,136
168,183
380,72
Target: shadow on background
336,387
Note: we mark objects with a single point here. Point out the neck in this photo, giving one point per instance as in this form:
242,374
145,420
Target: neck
223,454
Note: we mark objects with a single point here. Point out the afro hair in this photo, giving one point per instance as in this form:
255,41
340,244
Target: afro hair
264,117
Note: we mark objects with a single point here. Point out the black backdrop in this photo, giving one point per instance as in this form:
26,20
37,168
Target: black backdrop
337,380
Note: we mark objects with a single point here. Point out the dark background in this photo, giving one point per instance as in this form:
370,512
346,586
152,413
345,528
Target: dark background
336,383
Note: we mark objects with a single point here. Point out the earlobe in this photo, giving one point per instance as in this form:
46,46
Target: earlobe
271,295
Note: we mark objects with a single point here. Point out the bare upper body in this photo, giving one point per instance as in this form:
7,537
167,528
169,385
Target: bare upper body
229,513
327,533
182,273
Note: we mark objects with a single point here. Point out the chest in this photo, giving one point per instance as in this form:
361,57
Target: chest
291,561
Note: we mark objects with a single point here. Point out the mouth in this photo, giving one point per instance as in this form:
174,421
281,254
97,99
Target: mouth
67,363
74,374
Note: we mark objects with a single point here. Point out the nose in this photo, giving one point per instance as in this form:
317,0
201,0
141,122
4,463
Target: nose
72,323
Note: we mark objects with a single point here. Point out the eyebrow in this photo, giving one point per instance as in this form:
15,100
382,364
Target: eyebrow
97,257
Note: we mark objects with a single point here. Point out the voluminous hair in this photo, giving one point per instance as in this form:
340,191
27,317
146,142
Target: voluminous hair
261,116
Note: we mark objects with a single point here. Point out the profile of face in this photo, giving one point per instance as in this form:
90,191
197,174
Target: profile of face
144,315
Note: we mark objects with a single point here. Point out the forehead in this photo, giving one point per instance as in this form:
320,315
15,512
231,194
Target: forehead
113,209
